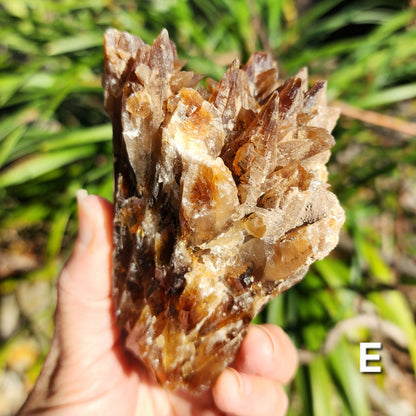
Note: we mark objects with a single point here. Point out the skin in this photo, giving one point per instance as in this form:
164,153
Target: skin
88,372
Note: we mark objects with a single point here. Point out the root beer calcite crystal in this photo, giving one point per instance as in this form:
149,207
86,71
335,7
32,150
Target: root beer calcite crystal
221,200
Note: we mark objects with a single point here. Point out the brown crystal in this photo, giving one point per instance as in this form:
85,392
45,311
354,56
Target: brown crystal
221,201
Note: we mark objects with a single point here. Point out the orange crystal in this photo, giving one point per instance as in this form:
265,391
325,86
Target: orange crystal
221,200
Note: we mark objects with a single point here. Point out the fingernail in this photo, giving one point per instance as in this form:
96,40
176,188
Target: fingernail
242,383
85,219
273,347
81,194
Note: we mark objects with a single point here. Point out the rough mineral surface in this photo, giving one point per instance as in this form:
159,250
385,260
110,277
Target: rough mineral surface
221,201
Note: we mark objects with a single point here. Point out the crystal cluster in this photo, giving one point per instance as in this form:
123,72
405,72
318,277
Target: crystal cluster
221,200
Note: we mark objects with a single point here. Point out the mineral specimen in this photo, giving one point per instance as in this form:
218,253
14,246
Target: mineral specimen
221,201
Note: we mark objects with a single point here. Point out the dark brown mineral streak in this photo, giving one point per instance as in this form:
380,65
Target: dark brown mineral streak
221,201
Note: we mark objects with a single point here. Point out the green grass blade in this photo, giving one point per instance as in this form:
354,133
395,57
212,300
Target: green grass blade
393,305
334,272
74,43
303,404
57,232
37,165
322,390
350,380
275,311
11,122
389,96
78,137
9,143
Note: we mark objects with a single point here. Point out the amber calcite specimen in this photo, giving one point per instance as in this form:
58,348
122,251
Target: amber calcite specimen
221,200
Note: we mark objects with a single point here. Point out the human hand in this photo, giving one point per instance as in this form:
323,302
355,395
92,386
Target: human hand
88,371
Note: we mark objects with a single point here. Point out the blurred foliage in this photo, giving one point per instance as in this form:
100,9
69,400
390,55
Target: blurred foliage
55,138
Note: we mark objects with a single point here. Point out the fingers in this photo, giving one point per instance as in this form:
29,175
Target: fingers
267,359
267,351
247,395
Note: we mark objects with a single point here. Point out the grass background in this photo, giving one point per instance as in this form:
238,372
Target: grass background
55,138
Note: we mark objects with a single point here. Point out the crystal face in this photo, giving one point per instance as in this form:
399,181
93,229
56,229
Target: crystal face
221,200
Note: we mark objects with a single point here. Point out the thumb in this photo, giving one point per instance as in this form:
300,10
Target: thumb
88,272
84,307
